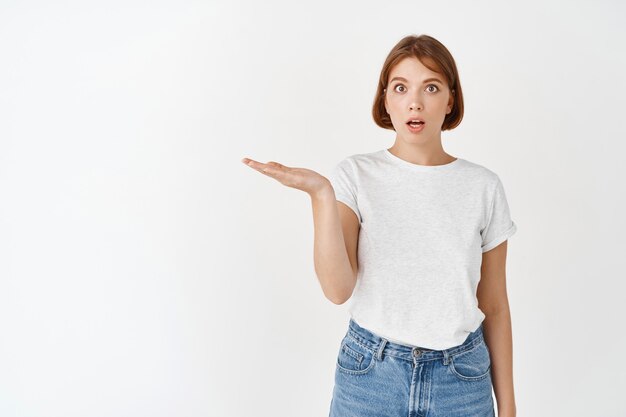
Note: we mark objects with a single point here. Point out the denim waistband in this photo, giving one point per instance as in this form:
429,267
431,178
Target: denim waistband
382,346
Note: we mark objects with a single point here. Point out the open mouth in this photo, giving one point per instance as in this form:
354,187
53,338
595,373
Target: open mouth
415,124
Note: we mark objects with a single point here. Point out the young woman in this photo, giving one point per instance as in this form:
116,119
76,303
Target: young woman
416,240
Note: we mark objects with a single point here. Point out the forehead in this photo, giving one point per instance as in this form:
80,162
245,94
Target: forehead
412,69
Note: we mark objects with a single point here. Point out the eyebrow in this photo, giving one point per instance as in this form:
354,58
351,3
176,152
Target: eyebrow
425,81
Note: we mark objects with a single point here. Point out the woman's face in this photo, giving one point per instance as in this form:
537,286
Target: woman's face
417,92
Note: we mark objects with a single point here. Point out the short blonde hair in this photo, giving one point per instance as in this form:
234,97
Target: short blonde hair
436,57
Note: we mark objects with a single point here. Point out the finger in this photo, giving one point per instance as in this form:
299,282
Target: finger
261,167
249,161
274,170
280,167
271,169
253,164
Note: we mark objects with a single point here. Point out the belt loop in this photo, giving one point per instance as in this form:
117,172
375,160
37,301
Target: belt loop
446,357
379,354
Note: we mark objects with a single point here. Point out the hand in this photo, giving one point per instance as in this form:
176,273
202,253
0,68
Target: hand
299,178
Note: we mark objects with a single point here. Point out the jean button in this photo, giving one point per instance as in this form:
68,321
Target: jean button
416,352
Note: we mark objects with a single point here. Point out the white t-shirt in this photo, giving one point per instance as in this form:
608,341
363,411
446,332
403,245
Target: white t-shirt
423,232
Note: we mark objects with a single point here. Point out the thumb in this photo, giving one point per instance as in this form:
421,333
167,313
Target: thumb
276,164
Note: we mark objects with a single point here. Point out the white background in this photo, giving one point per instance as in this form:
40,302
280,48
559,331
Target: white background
145,271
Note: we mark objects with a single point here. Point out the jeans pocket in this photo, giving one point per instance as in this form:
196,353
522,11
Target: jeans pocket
354,357
473,364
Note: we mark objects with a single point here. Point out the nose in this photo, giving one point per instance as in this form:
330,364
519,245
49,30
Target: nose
416,102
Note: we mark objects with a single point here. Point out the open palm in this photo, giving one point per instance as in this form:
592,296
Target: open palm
300,178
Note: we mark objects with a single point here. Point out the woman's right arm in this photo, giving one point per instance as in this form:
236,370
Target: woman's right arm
336,228
335,247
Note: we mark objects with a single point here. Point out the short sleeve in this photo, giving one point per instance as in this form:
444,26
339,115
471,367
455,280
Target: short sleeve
343,180
499,224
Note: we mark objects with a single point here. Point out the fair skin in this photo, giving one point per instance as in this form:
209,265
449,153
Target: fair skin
493,301
336,226
420,96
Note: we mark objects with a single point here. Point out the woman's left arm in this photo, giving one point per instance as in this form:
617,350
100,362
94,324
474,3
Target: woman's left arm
493,301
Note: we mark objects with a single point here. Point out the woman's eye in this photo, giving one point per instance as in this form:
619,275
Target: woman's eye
429,85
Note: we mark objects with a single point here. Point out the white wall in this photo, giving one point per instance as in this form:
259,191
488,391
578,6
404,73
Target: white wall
145,271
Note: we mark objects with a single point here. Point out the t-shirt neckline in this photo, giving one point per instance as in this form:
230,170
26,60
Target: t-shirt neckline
417,167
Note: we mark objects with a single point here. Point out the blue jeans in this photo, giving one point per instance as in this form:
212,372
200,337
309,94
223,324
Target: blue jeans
376,377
